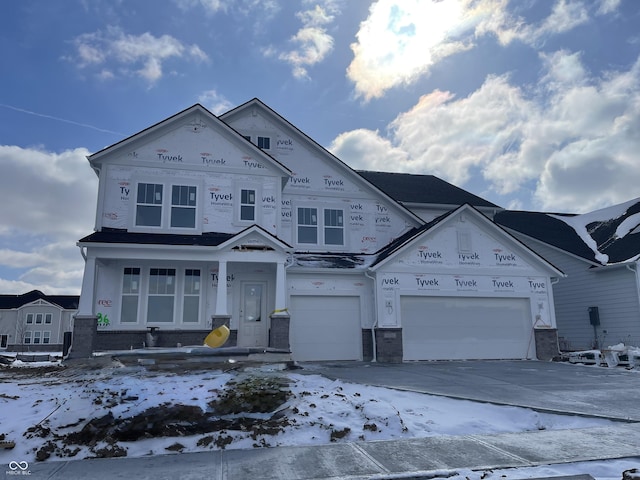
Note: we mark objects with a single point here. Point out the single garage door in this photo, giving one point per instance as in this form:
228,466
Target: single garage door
454,328
325,328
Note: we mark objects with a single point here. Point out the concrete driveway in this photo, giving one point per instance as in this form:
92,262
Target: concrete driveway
545,386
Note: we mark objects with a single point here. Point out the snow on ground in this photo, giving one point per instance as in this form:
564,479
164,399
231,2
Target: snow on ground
47,407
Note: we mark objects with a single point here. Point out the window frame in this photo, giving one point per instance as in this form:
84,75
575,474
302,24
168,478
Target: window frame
322,226
238,204
159,295
26,339
186,295
46,337
167,205
135,294
48,318
29,319
260,139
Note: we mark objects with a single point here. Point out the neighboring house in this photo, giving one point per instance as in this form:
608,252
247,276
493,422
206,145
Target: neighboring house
598,304
244,220
35,322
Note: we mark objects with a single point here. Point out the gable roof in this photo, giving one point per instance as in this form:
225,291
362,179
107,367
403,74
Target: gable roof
257,103
172,120
67,302
606,236
392,249
425,189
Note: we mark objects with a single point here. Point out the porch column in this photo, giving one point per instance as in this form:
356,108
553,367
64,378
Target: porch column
87,295
221,292
281,290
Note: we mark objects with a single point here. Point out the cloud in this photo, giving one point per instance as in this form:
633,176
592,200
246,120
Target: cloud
211,7
215,102
401,41
312,42
569,145
53,202
138,55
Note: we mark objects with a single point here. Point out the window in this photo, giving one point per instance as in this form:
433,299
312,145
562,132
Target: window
27,338
38,318
149,205
36,337
29,317
183,206
191,300
4,339
333,227
247,205
130,295
47,318
264,143
46,337
161,298
307,225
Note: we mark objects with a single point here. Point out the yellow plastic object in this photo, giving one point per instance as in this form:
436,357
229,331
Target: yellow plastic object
217,337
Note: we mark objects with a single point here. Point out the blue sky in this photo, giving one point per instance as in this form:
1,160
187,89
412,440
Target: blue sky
530,104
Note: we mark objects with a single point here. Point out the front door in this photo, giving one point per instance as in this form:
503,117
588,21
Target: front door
252,331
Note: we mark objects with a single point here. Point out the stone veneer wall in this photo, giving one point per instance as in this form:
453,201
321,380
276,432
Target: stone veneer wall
546,343
389,343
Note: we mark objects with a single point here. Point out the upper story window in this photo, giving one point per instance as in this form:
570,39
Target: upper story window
39,318
29,317
183,206
149,205
247,205
48,317
308,225
165,205
333,227
264,143
325,229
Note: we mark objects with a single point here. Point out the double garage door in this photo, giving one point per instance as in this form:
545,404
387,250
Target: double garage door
452,328
325,327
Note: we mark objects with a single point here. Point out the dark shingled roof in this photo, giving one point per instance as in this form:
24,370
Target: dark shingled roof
114,235
410,188
68,302
554,231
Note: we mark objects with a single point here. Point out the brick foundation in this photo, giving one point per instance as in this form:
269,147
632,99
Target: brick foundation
389,343
279,332
546,343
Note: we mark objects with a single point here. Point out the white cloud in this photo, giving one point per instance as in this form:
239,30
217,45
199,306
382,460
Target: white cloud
210,6
142,55
53,201
572,144
401,41
608,6
215,102
312,43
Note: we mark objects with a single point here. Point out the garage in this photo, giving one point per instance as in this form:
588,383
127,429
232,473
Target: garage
325,328
458,328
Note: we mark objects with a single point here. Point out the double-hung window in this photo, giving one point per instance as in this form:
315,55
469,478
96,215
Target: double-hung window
149,205
333,227
46,336
191,297
183,206
264,143
130,295
47,318
161,298
247,205
308,225
38,318
29,317
27,337
36,337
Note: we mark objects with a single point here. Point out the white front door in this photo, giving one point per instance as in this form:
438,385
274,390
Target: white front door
252,331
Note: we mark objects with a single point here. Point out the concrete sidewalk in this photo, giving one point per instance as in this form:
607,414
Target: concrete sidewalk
372,460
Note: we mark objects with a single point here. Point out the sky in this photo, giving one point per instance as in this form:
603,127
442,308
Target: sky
533,105
316,407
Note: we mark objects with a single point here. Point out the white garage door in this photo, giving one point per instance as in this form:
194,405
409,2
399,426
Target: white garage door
325,328
453,328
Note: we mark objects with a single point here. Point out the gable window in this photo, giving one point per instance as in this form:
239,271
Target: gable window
264,143
307,225
47,318
29,317
333,227
27,338
130,295
191,298
183,206
149,205
161,298
38,318
247,205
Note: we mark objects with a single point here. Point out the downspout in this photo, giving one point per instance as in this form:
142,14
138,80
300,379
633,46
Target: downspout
83,253
374,345
630,267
